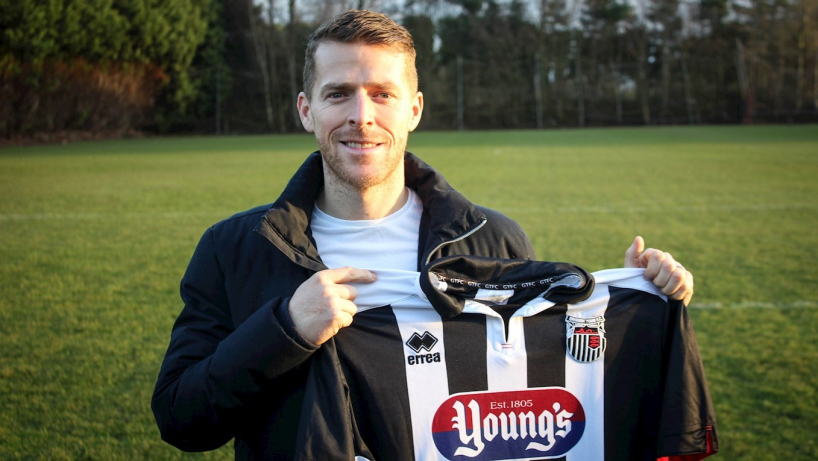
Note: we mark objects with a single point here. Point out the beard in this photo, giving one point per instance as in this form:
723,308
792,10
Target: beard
360,173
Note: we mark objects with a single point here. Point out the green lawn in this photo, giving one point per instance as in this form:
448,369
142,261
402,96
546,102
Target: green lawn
94,238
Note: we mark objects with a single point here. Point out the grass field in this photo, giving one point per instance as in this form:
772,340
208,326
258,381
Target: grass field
94,238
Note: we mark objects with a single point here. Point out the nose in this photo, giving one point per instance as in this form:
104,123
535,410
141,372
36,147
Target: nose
362,111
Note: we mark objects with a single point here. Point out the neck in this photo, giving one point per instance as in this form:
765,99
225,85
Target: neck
343,201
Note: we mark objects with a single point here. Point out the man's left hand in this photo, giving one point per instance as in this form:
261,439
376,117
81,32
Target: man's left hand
668,275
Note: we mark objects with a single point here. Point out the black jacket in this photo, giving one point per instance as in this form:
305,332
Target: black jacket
235,366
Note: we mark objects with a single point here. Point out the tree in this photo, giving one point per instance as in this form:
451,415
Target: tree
64,62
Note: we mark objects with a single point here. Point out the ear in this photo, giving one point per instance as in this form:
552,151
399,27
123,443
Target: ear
417,111
303,105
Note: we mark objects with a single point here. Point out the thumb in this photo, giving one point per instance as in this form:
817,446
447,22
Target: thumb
633,253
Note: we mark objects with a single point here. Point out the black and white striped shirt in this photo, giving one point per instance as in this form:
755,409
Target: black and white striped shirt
485,359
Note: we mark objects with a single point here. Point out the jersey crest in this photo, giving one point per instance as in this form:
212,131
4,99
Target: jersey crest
484,426
585,338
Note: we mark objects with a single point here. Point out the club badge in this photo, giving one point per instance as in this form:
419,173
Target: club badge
585,338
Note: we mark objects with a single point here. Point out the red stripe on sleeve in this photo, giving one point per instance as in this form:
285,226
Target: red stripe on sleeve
695,456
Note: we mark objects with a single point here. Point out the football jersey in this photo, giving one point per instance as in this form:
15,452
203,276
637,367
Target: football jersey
485,359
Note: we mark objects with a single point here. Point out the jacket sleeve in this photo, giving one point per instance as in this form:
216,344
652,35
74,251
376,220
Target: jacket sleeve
212,370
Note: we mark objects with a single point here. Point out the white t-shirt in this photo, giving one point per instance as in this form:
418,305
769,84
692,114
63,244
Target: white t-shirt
386,243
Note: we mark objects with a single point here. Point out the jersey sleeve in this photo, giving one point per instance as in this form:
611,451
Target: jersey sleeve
687,422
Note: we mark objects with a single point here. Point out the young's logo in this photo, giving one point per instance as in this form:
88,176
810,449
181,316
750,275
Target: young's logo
417,343
585,338
484,426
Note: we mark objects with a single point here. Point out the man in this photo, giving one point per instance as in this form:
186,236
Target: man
266,287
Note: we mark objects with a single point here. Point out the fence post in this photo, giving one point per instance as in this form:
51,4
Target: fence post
460,124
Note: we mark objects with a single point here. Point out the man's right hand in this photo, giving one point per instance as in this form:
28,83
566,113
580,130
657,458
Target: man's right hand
323,304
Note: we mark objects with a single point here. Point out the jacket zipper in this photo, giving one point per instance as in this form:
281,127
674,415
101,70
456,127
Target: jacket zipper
429,258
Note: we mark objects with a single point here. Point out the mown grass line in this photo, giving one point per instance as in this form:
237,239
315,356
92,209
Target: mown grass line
94,238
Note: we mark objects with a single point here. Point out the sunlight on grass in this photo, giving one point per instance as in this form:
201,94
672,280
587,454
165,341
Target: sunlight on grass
94,238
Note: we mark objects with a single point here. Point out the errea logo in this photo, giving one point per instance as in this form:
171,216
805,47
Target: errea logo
418,343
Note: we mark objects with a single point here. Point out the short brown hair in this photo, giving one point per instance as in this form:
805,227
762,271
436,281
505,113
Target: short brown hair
361,26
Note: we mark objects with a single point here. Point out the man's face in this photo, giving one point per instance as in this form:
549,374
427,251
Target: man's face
361,110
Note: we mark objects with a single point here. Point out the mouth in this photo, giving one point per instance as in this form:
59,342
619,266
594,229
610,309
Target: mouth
360,144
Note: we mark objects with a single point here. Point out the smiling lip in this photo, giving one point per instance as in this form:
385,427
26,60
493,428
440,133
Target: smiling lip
360,144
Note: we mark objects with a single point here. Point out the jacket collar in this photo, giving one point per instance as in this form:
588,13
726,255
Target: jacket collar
447,215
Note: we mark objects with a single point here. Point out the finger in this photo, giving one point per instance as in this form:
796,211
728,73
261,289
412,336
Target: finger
345,311
666,270
346,307
345,318
349,275
634,251
685,291
343,291
652,260
689,294
341,320
675,287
